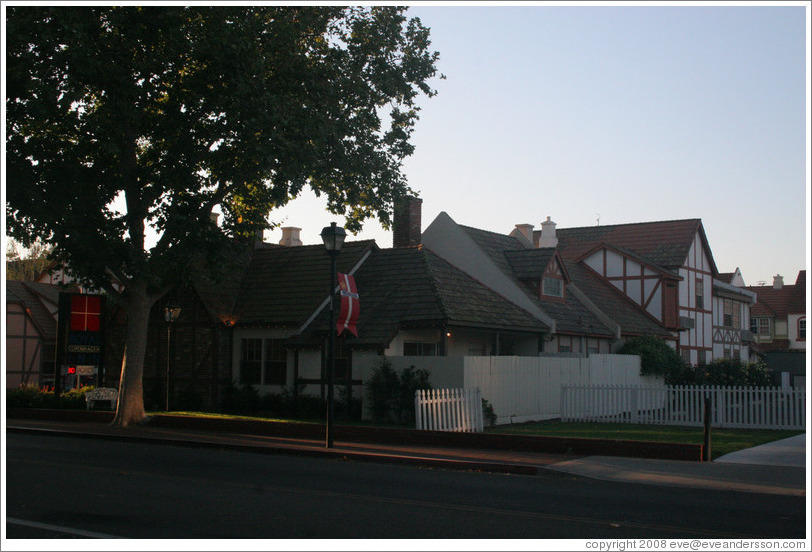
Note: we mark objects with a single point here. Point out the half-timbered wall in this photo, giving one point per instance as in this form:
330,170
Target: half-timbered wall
696,302
730,318
23,348
638,282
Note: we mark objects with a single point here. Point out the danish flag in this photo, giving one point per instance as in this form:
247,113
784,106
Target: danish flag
350,305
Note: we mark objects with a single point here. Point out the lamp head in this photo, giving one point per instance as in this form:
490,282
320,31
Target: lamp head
171,313
333,237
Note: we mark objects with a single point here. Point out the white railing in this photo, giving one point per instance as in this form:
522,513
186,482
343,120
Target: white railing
737,407
448,409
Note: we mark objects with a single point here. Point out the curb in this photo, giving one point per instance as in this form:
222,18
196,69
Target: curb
462,465
394,436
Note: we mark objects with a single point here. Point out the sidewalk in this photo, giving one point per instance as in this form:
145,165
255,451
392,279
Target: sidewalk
774,468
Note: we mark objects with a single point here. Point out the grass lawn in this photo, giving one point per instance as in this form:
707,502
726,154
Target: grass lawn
723,441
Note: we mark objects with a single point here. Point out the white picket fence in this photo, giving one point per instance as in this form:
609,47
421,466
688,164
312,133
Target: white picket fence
735,407
448,409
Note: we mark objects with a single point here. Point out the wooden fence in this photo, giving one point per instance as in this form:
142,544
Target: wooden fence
448,409
735,407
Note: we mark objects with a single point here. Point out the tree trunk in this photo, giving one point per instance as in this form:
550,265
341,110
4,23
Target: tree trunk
130,408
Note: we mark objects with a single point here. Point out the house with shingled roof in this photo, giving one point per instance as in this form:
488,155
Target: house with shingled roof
596,286
778,318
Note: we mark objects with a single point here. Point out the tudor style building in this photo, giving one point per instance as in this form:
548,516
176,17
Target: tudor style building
663,271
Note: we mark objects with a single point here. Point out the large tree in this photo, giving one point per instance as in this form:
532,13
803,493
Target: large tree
174,111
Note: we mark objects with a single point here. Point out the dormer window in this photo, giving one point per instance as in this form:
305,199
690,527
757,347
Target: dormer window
552,287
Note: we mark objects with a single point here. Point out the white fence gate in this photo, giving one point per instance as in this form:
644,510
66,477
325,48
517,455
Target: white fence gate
448,409
737,407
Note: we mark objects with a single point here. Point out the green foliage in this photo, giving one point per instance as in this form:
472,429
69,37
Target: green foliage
26,265
391,396
488,413
31,396
240,399
657,358
133,120
383,391
728,372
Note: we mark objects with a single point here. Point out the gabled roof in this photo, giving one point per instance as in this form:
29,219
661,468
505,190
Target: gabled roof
413,287
632,319
571,316
664,243
34,296
530,264
283,286
779,303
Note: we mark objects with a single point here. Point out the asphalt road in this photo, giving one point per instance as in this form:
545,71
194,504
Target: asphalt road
66,487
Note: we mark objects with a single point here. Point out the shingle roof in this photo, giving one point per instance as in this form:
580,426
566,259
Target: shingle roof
790,299
610,300
412,287
283,286
664,243
529,263
571,316
31,295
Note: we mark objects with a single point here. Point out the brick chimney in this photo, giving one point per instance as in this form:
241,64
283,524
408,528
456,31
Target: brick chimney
406,222
548,238
290,236
778,281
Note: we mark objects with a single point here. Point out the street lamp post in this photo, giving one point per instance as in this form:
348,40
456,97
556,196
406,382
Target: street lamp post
171,314
333,238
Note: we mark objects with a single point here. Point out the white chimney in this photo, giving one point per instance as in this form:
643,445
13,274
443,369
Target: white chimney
548,238
290,236
778,281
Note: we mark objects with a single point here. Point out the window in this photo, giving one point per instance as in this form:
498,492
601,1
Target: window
760,326
251,361
802,329
732,314
414,348
700,294
276,363
263,362
554,287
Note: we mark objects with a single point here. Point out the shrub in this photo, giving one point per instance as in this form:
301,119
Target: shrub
74,399
732,372
391,397
243,399
30,396
657,358
382,392
488,413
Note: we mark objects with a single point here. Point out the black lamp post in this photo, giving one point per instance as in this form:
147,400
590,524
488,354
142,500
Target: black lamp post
333,238
171,314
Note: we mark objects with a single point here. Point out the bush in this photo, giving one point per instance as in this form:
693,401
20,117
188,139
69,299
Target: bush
391,397
657,358
243,399
732,372
31,396
488,413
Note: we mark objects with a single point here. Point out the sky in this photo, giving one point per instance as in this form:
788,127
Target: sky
611,115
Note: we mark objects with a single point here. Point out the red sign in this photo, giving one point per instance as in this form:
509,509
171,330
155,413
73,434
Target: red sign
350,305
85,313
